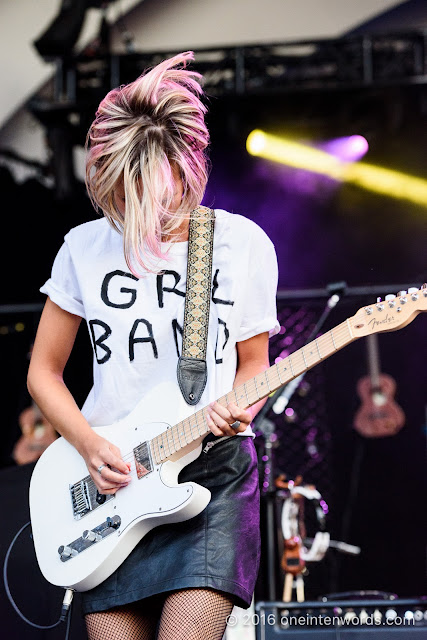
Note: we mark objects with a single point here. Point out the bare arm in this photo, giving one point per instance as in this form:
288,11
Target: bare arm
252,359
52,347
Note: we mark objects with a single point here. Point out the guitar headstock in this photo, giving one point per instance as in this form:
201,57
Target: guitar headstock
390,314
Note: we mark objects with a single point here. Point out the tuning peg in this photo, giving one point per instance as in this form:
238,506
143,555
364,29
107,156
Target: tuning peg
400,294
413,292
391,299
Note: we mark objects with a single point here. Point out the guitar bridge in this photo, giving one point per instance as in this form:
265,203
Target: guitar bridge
85,497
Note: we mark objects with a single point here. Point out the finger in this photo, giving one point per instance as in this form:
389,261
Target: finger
239,414
114,459
212,426
112,477
230,414
223,425
106,487
221,411
244,417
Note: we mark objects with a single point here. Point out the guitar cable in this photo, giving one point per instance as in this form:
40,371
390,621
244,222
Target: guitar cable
66,603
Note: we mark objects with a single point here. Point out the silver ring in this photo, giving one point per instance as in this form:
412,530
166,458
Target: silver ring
100,468
235,425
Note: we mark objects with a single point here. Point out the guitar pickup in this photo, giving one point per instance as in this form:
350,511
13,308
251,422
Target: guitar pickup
88,538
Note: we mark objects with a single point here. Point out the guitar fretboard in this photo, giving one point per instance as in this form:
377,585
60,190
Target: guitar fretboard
252,391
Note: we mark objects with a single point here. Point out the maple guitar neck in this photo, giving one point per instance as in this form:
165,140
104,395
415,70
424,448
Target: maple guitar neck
255,389
390,315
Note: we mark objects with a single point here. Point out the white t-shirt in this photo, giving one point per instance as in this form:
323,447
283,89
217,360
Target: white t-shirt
135,325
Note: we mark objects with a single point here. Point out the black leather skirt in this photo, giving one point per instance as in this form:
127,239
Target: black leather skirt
218,549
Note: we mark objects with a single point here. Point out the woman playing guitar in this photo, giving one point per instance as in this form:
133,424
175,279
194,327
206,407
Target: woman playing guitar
125,274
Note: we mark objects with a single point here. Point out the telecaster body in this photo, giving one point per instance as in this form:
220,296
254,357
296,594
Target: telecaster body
62,509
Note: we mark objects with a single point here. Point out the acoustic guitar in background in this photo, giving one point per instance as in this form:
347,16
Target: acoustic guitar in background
37,435
379,415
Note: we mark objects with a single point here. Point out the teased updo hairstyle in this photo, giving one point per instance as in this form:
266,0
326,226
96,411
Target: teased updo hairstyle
140,132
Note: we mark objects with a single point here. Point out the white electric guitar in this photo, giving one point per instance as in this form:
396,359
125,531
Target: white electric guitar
81,537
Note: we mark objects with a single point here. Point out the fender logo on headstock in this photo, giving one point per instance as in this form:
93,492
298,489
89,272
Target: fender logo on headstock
388,319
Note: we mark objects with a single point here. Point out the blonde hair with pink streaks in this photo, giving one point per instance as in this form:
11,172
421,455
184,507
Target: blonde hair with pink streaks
141,132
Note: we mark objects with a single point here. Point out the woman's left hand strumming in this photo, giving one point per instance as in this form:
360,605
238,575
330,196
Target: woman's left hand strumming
227,421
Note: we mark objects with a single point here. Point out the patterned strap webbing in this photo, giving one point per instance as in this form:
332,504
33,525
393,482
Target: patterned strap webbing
192,367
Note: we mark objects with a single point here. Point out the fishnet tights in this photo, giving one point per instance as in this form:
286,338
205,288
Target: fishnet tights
190,614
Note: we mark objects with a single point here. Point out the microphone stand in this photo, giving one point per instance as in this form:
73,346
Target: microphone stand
278,402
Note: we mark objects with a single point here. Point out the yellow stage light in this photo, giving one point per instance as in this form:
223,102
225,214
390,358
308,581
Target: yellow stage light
377,179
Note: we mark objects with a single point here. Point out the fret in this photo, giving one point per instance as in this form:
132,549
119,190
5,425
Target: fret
264,373
156,449
165,440
253,397
241,395
200,422
174,437
278,373
266,379
179,436
161,447
165,443
159,451
292,369
171,448
311,355
299,362
303,357
327,345
204,424
191,428
153,451
318,350
256,387
333,341
349,328
182,431
246,393
198,417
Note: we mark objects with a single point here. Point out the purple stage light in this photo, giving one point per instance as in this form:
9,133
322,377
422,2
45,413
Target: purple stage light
348,149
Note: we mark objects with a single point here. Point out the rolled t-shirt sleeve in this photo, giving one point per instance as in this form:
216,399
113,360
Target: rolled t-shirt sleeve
260,308
63,287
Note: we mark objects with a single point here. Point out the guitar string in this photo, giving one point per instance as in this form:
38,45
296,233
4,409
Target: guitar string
333,336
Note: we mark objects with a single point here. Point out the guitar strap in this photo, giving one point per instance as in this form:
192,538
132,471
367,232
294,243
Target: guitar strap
192,366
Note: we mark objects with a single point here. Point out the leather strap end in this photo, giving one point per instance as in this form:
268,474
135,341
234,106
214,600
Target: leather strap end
192,377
